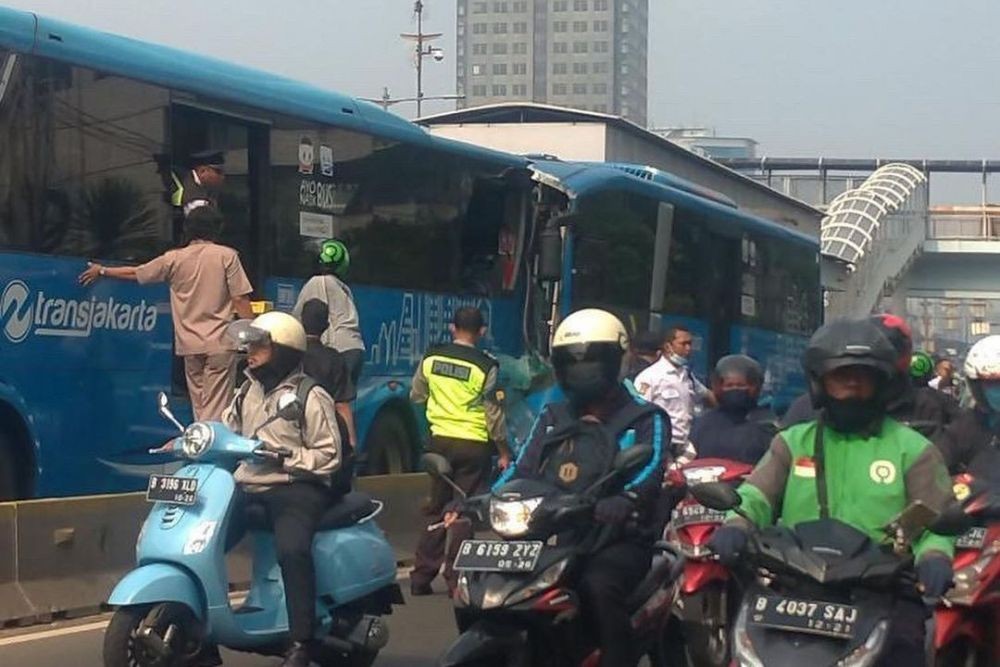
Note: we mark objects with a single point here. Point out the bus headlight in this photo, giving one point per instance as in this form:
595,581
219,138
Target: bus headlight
197,439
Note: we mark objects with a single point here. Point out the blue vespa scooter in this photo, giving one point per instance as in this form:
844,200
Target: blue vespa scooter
176,602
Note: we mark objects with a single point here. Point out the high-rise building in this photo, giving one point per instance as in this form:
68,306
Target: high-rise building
585,54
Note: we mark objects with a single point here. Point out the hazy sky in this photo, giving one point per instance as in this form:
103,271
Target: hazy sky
841,78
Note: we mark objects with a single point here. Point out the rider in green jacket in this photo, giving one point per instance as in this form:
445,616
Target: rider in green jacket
852,463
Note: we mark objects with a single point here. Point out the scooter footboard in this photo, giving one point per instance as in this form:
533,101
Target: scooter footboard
158,582
487,640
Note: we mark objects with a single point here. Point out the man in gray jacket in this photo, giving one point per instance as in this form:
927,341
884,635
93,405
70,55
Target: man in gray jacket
296,489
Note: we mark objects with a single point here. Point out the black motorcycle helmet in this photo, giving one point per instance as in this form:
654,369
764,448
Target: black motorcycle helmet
849,342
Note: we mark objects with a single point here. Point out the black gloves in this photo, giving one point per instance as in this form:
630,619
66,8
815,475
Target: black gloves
728,543
935,575
614,509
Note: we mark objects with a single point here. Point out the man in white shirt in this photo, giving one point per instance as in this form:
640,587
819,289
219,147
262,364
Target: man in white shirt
670,384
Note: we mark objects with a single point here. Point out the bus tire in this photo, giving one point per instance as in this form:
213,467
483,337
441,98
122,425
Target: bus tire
389,446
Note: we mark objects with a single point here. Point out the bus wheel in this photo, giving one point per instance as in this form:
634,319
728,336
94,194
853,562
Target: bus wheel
389,446
8,470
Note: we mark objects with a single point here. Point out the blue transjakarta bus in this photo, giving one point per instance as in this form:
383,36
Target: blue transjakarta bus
90,123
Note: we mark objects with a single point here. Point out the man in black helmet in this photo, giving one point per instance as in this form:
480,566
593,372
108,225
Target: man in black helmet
738,429
853,463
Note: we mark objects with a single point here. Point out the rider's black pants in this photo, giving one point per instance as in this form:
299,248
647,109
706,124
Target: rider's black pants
609,577
907,634
294,510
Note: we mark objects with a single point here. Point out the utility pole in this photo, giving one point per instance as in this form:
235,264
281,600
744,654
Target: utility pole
421,38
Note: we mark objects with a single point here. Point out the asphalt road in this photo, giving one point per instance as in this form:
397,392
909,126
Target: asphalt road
419,633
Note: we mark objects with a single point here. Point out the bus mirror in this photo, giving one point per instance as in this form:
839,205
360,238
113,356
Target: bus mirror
550,253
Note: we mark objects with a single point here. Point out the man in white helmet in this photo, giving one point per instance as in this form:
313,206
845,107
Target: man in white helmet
296,490
975,435
572,444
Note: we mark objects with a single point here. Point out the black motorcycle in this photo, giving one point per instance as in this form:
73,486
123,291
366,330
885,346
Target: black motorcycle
822,593
515,602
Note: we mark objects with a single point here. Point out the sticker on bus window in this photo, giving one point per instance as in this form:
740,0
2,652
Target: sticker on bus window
326,160
315,225
748,306
306,156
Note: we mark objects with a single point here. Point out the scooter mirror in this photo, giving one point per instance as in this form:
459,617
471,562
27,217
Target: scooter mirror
436,465
165,412
632,459
289,407
716,495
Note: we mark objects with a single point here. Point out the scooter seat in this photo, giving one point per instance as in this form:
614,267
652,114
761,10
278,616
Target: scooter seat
347,511
353,507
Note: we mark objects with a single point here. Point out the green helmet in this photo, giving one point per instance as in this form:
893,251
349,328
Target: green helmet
921,365
333,254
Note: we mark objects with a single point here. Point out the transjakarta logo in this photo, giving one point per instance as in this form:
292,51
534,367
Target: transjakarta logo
21,312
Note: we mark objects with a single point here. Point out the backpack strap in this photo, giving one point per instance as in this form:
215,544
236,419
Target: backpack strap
306,385
241,394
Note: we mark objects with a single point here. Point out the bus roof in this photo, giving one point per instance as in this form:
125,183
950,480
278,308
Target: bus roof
582,179
29,33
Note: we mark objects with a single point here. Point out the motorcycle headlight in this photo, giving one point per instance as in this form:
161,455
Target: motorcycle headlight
866,654
547,579
510,518
197,439
703,474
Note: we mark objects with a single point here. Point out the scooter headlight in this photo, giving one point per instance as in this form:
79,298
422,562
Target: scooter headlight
866,654
511,518
547,579
197,439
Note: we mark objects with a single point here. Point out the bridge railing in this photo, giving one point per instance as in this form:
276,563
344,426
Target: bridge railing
976,223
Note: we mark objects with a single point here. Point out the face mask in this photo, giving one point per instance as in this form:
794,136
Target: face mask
737,400
677,360
851,415
585,383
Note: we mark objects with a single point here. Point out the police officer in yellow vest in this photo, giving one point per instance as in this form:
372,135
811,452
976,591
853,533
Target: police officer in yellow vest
459,385
201,185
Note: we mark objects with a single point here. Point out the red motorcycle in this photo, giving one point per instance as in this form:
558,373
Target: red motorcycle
966,621
705,601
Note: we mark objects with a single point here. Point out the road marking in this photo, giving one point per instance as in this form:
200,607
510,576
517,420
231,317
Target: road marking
235,598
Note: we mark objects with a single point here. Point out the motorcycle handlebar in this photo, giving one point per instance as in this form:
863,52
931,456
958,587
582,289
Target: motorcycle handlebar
273,452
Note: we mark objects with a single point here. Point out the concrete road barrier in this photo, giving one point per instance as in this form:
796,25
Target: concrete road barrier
62,557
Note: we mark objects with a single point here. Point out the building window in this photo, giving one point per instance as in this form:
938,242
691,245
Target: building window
579,89
478,28
579,26
600,47
579,68
478,70
479,91
624,27
600,5
624,69
520,7
499,28
499,90
600,89
521,28
560,26
580,47
479,49
500,7
600,68
558,68
624,91
558,88
519,68
519,89
499,48
499,69
479,8
519,48
579,5
560,5
600,26
560,47
624,47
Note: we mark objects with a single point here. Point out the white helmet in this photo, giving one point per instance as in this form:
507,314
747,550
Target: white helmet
587,353
591,325
273,327
983,360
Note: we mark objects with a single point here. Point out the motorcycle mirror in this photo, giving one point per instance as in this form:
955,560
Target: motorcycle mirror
716,495
632,459
289,407
436,465
164,403
952,521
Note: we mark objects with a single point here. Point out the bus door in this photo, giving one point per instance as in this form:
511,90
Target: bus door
244,144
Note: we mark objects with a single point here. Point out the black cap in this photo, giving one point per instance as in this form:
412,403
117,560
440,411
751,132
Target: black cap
208,158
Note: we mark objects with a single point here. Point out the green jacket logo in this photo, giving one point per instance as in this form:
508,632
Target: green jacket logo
882,472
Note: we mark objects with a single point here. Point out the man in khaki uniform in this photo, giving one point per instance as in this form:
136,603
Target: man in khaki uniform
207,283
